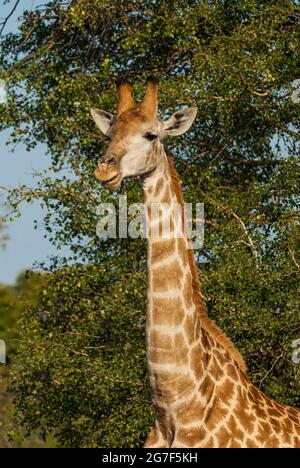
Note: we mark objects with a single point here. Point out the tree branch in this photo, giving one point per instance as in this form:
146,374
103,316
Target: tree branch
90,192
270,370
293,258
250,242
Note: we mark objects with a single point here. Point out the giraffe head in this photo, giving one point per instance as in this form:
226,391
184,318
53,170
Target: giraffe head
135,135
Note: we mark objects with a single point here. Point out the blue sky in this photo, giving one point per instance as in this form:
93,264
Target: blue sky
25,245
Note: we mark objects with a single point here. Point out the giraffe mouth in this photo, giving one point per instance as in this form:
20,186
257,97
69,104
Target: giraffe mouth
110,182
113,183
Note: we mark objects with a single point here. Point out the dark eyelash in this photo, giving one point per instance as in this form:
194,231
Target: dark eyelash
150,136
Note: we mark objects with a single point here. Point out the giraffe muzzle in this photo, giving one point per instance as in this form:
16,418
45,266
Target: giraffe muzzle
108,175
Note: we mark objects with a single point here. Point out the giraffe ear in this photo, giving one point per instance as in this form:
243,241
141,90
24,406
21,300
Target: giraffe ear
180,122
103,120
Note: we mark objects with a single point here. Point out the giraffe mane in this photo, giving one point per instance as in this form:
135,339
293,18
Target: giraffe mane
209,325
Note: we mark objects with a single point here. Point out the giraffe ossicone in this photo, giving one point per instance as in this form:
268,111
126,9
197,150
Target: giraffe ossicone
200,391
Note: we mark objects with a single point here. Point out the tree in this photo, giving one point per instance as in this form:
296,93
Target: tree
14,300
83,372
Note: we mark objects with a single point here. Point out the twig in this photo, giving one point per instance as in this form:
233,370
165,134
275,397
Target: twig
6,189
84,182
8,16
286,130
293,258
260,94
251,243
80,353
270,370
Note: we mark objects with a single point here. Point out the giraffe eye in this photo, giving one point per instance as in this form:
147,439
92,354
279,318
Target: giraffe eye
150,136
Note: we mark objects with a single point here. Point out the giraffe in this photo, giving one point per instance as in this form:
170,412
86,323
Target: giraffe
201,394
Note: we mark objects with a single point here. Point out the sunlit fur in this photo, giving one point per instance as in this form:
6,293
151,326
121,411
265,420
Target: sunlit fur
208,324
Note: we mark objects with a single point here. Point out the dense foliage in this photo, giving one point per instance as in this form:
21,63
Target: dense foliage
14,301
82,372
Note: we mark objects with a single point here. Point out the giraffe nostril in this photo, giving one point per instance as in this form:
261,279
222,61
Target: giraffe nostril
109,160
106,159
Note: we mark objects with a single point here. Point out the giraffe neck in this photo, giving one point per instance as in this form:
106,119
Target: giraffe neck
183,345
173,326
201,396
